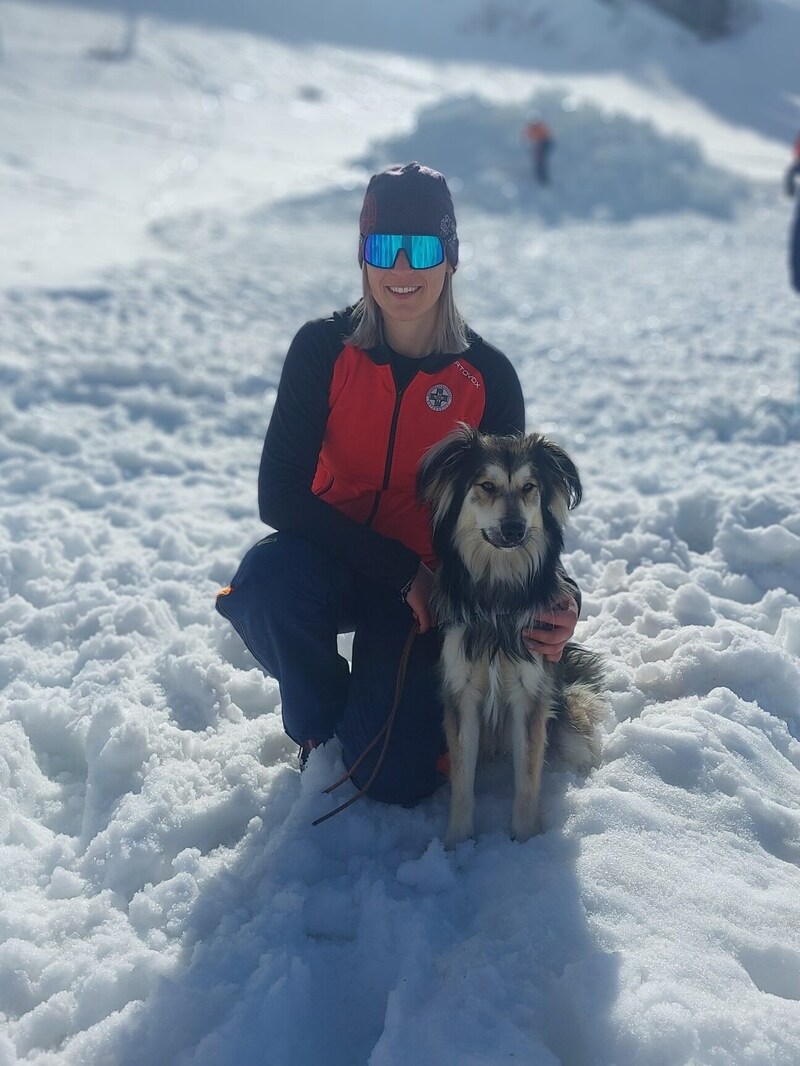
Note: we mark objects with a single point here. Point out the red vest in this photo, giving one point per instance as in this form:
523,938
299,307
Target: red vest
375,437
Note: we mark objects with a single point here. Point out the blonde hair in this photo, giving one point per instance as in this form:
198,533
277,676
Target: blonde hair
450,332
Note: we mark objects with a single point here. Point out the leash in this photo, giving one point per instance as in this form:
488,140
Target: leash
385,731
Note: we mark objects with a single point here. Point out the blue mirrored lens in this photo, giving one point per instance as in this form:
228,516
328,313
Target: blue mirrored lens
381,250
425,252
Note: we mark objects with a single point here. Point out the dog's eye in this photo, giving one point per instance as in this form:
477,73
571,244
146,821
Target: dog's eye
529,486
488,486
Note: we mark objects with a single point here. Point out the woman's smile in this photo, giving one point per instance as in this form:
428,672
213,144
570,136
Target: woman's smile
403,291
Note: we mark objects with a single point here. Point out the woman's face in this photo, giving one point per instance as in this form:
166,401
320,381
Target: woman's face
405,295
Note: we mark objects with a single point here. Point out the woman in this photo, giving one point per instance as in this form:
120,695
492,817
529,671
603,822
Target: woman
362,396
791,182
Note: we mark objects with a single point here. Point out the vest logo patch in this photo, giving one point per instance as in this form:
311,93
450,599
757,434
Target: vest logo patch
439,397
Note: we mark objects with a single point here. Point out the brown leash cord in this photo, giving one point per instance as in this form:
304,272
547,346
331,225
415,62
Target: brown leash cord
385,731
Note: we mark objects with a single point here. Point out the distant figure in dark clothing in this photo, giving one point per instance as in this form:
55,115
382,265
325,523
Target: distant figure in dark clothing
791,182
540,138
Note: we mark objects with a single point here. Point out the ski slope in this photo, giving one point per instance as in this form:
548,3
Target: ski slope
170,218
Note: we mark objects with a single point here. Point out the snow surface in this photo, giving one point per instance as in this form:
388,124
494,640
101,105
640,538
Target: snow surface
169,220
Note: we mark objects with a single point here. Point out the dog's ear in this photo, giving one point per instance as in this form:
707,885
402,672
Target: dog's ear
439,469
562,485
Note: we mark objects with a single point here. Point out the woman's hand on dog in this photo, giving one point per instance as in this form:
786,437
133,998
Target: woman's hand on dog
560,624
418,598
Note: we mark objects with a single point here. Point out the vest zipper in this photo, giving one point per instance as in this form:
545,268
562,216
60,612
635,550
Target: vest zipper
389,456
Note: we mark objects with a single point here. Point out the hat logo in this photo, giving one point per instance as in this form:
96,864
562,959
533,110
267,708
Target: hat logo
439,398
447,229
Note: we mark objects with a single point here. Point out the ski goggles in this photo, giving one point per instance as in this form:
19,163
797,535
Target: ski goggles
381,250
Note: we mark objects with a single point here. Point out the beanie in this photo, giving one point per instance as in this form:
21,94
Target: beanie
410,199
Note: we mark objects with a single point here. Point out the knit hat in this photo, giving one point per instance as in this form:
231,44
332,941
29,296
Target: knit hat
410,199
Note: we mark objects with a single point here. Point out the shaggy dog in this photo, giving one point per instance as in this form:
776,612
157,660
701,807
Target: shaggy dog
498,509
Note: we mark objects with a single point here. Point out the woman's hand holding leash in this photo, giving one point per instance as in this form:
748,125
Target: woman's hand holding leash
418,598
559,623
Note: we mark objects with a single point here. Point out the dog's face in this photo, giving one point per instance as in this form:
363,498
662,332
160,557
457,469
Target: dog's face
504,502
510,494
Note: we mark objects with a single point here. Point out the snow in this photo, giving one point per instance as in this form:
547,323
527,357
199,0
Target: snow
170,219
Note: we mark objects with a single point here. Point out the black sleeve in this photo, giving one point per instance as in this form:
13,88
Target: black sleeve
289,462
573,587
504,409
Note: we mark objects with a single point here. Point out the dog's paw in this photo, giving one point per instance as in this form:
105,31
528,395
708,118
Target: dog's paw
457,834
524,825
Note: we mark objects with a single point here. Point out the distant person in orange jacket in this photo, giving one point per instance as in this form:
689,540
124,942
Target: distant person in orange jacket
791,182
541,140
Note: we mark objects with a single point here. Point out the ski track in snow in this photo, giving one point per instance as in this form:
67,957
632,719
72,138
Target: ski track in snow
165,898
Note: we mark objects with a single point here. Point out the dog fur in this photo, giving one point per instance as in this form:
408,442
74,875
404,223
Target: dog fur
498,510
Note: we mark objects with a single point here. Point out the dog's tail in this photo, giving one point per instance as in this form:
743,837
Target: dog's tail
581,704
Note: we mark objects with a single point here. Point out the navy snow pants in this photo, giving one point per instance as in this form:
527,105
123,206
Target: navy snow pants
288,601
794,248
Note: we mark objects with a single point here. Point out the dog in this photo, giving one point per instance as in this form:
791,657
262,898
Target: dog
498,508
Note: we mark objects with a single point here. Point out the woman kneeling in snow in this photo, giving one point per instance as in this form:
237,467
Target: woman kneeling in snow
363,394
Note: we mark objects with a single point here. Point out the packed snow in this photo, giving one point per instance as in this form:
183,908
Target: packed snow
171,216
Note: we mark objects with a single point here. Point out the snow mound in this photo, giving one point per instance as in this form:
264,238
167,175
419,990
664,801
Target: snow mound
605,165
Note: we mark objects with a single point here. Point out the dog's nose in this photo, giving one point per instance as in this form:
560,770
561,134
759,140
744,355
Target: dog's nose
513,531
